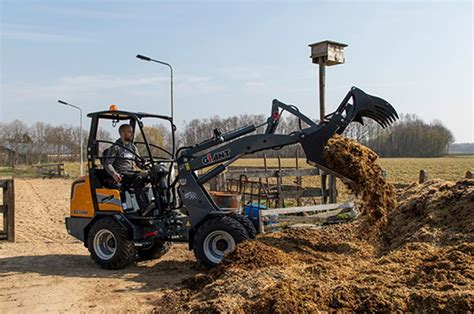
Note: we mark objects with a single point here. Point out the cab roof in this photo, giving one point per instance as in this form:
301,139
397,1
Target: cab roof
125,115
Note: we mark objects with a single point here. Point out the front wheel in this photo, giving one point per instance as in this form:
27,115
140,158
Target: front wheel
215,238
248,225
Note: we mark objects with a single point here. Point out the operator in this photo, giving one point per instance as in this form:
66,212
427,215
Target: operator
121,164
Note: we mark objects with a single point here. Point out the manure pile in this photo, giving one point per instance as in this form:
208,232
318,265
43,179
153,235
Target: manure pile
423,260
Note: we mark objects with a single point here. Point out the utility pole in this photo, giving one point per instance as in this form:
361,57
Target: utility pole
326,53
145,58
80,126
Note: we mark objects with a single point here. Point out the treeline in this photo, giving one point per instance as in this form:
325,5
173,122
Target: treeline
198,130
408,137
412,137
42,142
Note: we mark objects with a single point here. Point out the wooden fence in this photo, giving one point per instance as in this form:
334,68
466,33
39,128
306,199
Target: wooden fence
50,170
253,185
7,208
322,211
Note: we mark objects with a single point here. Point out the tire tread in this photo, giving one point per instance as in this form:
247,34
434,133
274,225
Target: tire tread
125,256
234,227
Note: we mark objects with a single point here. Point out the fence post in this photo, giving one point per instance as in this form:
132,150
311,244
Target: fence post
332,189
261,227
213,184
324,192
299,182
280,201
11,211
265,167
423,176
8,210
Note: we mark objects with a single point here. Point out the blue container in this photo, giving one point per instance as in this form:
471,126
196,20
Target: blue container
252,212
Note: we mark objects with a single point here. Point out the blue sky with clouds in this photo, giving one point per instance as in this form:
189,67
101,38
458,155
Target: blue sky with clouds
233,57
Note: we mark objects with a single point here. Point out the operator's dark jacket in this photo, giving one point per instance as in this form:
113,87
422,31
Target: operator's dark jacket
114,165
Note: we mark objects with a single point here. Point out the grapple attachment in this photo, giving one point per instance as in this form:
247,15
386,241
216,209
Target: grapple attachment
355,106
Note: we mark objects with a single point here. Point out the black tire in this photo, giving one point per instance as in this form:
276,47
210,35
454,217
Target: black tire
222,231
108,236
155,251
248,225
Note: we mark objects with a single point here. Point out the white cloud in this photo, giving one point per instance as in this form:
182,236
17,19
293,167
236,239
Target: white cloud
93,89
41,36
27,32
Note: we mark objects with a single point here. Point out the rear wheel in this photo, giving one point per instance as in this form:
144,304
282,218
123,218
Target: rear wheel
154,251
215,238
109,244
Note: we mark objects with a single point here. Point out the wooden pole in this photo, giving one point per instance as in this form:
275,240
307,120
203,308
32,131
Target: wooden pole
261,226
4,211
322,86
280,202
11,211
332,189
265,167
298,179
8,210
322,113
213,184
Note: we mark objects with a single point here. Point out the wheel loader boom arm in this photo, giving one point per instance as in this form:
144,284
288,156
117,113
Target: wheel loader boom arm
237,143
223,149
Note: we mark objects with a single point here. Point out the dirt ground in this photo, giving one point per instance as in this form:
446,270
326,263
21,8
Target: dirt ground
425,262
48,270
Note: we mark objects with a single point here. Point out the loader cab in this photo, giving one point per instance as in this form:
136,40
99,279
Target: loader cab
155,144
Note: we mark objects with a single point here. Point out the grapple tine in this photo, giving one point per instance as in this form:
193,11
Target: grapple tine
385,110
384,116
384,105
379,118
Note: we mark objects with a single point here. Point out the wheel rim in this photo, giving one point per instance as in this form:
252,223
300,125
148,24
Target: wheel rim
105,244
217,244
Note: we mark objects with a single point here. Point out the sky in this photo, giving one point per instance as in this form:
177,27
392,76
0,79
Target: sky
233,57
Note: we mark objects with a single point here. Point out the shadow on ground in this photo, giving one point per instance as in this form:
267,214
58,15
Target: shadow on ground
158,274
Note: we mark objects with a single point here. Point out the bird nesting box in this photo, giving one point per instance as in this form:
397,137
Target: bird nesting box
330,52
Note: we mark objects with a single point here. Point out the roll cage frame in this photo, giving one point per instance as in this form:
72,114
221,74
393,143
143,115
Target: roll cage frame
135,121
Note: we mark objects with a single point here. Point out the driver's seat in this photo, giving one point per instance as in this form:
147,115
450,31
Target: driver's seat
106,179
104,154
102,175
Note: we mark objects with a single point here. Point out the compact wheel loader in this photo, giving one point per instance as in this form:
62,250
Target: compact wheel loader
106,216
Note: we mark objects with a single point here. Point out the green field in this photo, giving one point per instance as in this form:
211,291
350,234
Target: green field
400,170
